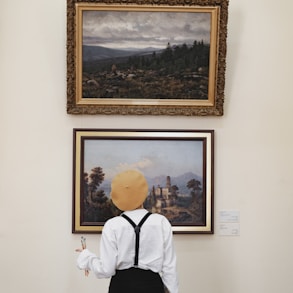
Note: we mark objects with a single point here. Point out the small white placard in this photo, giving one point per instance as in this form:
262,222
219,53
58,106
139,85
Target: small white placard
229,223
229,217
229,229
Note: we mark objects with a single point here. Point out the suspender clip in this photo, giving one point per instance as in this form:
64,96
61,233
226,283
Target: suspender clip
137,229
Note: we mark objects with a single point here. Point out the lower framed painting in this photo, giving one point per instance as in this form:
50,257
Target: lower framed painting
178,166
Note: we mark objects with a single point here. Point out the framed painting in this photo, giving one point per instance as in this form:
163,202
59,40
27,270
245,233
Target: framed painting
157,58
178,166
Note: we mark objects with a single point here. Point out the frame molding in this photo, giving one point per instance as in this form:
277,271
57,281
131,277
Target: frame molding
178,165
210,106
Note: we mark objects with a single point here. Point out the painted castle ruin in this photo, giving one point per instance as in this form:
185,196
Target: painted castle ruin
162,197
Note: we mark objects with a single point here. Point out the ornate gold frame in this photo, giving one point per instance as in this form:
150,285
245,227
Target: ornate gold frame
212,105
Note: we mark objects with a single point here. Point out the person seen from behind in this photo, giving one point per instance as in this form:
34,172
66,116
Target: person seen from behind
136,248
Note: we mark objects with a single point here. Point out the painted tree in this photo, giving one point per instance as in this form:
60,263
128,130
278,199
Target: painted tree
195,187
96,178
197,206
97,206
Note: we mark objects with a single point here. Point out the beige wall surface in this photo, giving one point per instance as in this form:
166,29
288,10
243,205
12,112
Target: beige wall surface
253,156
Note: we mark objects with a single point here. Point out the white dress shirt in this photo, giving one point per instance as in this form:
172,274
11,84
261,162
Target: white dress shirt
117,248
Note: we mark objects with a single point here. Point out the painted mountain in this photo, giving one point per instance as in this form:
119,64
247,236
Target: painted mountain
95,53
179,181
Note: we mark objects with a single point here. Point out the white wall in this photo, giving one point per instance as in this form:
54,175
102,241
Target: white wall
253,156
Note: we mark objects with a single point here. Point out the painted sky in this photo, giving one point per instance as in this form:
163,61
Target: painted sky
153,158
136,29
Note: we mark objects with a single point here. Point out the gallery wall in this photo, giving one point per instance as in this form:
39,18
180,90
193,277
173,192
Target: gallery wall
253,156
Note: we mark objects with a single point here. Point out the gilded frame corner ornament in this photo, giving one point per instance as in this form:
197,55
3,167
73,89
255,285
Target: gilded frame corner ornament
102,78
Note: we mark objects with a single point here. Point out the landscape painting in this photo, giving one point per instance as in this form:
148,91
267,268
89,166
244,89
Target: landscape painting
155,60
177,166
145,55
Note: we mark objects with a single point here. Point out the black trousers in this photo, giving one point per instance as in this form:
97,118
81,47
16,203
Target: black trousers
136,280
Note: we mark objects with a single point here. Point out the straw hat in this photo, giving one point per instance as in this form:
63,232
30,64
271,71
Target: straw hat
129,190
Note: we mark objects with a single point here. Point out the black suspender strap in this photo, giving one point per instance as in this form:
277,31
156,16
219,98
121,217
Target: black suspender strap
137,231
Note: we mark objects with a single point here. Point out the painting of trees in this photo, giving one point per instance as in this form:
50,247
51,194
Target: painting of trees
97,207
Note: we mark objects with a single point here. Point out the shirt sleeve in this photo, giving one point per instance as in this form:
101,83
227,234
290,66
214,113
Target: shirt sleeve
105,265
169,270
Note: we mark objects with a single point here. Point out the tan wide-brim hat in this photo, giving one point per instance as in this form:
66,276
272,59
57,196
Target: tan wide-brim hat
129,190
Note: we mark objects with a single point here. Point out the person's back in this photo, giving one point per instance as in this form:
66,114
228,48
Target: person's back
154,234
155,263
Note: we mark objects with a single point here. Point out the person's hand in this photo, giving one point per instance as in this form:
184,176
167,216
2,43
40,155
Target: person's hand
83,245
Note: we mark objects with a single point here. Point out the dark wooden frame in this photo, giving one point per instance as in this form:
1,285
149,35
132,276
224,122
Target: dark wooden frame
213,105
188,200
